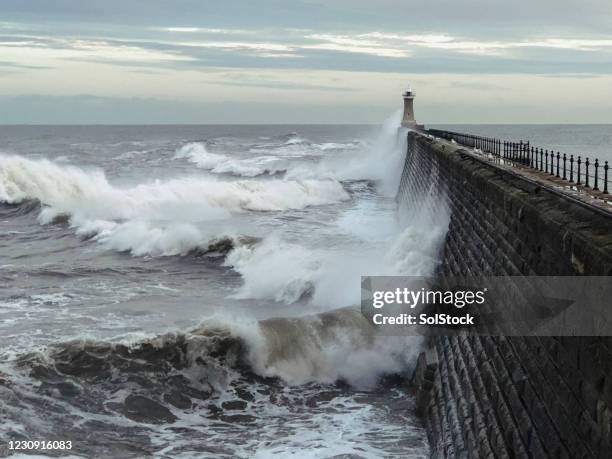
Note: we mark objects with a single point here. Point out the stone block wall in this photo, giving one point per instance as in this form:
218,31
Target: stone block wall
511,397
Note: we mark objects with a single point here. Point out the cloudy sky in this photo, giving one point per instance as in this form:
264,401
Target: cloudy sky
304,61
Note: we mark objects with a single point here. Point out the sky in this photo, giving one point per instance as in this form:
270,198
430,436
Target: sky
304,61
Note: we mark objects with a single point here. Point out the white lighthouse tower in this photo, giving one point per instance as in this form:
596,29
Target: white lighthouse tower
408,118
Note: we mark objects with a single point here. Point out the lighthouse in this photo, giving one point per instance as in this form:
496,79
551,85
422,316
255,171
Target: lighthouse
408,118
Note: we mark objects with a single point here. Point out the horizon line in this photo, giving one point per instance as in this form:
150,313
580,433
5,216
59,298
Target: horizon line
604,123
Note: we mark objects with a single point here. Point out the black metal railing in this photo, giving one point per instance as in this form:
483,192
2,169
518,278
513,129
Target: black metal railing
588,173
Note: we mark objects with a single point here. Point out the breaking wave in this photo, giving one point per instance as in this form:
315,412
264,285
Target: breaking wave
288,272
223,164
158,218
324,348
380,160
228,380
294,146
235,386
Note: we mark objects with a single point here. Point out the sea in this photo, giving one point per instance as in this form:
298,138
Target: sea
193,291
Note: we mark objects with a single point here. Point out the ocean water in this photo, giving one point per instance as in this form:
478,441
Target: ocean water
192,291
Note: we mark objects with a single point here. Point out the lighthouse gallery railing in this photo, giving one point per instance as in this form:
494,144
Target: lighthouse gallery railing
585,172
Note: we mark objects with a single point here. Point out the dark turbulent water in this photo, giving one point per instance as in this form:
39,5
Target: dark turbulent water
189,291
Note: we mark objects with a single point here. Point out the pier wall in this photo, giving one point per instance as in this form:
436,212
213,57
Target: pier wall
510,396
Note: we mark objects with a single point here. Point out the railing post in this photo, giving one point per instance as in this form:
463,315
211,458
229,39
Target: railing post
515,151
527,153
535,157
564,164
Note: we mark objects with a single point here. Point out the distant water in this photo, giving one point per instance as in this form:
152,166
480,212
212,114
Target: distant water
587,140
190,291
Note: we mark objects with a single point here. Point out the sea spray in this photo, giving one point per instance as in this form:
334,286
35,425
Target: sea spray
324,348
224,164
157,218
108,345
380,159
328,279
398,239
275,270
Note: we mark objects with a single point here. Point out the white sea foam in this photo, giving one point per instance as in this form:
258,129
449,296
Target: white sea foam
327,347
141,238
223,164
380,160
405,243
165,218
68,188
275,270
285,272
156,217
294,139
296,147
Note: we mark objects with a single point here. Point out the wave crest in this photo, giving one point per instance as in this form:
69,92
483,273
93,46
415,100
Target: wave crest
153,218
339,345
222,164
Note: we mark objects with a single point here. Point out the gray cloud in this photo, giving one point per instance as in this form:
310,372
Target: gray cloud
370,51
17,66
493,18
463,45
260,81
477,86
